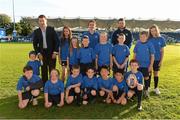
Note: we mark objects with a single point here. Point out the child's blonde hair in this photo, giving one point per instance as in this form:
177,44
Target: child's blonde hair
103,33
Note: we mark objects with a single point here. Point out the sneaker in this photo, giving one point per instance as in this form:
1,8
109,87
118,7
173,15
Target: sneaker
85,102
140,108
148,89
34,102
156,90
104,100
146,94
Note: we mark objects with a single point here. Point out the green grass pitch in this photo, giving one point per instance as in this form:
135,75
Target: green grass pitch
166,106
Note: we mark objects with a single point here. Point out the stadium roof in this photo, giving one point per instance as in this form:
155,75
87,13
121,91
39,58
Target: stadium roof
107,23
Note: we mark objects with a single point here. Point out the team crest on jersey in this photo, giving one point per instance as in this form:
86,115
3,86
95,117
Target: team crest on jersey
132,81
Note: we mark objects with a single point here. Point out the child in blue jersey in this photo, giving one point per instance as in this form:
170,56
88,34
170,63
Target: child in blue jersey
92,34
73,52
159,44
105,84
54,90
30,84
90,86
65,39
86,55
120,54
34,63
103,52
144,54
73,86
119,88
134,79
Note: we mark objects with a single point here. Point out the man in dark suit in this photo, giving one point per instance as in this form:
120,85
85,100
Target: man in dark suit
46,45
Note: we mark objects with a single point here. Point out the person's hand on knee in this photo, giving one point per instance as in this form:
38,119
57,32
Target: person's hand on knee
102,93
108,100
130,94
93,92
123,101
140,87
48,104
77,90
60,104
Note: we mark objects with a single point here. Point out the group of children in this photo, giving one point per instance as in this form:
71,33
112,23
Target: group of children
88,69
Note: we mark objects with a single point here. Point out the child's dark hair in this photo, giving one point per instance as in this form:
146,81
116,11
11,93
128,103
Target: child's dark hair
75,67
115,72
121,19
144,33
27,68
32,53
84,37
90,67
121,34
105,67
133,61
42,16
92,21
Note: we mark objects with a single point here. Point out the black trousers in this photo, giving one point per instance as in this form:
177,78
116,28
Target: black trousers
48,65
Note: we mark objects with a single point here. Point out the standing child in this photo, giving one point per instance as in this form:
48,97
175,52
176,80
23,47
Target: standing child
120,54
73,86
119,89
103,52
89,86
73,52
86,55
134,79
54,90
105,85
34,63
31,85
144,54
159,44
65,39
92,34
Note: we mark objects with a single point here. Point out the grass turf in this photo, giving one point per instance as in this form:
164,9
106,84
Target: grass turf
14,56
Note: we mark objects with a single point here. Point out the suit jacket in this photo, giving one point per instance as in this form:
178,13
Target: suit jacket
51,39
